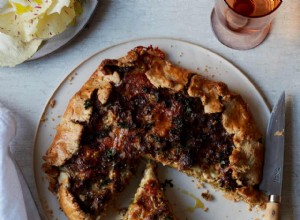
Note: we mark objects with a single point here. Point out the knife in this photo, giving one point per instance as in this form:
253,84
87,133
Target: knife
273,164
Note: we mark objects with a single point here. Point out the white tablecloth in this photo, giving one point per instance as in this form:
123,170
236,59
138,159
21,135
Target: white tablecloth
273,67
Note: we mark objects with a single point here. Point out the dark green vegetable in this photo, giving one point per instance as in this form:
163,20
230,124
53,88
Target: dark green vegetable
87,103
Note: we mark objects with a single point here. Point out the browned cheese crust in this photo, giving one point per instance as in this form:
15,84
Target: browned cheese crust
142,106
149,201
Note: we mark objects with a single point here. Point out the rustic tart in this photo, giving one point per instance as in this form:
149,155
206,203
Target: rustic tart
143,106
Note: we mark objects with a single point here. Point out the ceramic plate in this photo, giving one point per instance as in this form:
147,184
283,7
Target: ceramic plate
185,195
53,44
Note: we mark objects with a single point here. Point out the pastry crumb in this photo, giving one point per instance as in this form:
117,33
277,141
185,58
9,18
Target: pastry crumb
44,118
71,78
205,209
52,103
207,196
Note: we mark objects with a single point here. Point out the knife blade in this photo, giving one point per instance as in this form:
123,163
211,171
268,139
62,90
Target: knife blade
274,155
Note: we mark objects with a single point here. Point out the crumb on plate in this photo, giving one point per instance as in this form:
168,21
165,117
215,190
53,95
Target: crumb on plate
207,196
52,103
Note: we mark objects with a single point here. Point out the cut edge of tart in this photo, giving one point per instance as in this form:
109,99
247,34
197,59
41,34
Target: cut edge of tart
149,201
141,105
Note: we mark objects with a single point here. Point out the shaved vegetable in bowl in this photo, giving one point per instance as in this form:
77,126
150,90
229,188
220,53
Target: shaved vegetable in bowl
27,23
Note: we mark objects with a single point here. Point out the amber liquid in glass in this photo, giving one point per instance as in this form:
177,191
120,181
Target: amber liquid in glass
243,24
253,8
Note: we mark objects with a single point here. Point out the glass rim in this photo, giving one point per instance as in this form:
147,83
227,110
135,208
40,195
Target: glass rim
258,16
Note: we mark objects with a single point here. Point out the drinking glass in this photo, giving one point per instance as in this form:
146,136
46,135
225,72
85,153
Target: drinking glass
243,24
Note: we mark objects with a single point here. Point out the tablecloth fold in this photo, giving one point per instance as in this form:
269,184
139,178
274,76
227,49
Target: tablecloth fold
12,204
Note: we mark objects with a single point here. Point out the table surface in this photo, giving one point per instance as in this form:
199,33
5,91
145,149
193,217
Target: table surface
273,66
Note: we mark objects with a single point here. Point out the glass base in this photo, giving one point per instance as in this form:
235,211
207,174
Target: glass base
237,39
